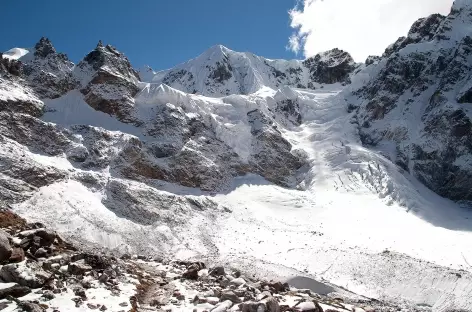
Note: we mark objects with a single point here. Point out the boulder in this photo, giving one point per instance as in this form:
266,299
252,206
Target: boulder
79,267
223,306
217,271
13,290
17,255
230,295
5,248
30,275
308,306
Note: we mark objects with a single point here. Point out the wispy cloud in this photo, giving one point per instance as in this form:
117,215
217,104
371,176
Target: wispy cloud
361,27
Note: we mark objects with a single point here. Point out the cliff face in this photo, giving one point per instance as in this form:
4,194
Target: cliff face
418,102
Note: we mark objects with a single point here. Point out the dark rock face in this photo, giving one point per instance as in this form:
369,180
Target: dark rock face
188,151
113,82
291,110
5,248
181,77
109,56
38,135
49,73
222,72
420,99
22,176
271,157
10,67
372,59
424,29
330,67
44,48
178,147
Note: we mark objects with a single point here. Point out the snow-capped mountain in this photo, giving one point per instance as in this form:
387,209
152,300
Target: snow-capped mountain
320,168
416,103
220,71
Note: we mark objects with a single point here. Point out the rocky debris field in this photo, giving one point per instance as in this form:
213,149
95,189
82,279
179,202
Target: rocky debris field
41,272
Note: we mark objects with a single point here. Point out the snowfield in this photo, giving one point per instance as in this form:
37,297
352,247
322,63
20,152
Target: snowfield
355,220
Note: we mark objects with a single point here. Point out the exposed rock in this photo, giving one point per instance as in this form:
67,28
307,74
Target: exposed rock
17,255
31,307
5,248
330,67
272,157
44,47
231,296
237,281
223,306
217,271
424,29
112,83
18,98
434,143
15,291
79,267
10,67
40,253
31,276
49,73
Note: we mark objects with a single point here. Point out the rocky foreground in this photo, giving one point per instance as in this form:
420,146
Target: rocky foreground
42,272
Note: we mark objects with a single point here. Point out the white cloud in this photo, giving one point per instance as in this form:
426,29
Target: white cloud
361,27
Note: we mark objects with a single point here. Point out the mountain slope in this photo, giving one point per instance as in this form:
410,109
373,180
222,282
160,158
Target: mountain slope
220,71
415,103
252,171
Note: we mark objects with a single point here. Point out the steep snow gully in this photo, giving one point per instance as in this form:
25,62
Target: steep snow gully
312,171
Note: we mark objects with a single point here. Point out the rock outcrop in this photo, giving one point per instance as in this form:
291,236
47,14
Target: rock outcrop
48,72
330,67
109,83
419,100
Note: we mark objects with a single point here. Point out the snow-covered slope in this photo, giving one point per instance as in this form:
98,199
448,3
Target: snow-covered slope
220,71
15,53
296,169
415,103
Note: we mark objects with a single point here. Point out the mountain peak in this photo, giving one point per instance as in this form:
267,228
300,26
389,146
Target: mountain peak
462,4
216,52
44,47
219,47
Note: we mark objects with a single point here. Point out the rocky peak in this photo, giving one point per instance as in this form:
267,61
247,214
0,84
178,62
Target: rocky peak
49,73
44,48
424,29
331,66
461,5
110,57
433,81
109,72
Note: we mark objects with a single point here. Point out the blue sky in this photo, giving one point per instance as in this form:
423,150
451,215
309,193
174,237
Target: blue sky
160,33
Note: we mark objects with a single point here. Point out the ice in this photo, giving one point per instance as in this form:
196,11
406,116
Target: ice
15,53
